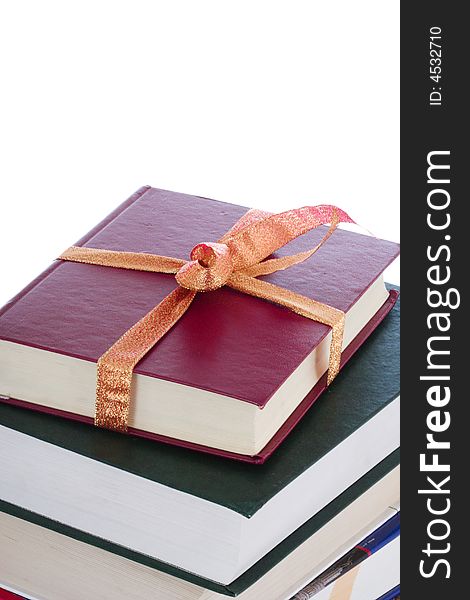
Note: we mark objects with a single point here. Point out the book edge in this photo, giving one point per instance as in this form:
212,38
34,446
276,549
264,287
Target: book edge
321,386
254,573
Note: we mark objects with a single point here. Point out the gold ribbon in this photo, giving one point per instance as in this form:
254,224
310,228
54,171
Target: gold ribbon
236,260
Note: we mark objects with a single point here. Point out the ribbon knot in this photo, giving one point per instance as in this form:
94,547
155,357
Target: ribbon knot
210,268
237,260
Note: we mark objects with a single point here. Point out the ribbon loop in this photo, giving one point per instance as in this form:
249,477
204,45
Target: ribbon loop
260,238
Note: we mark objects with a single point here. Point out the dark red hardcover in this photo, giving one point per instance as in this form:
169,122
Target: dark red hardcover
229,343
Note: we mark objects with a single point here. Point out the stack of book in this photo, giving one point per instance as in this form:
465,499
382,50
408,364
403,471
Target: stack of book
242,474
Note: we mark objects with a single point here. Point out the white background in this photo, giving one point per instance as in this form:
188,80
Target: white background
263,103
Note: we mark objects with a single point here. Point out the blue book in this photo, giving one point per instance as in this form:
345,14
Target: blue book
383,535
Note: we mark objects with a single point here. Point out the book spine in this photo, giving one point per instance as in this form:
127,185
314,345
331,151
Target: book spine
381,536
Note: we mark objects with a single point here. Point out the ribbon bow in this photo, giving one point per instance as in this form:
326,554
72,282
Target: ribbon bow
236,260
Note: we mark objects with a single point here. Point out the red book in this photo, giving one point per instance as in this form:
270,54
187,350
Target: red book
234,375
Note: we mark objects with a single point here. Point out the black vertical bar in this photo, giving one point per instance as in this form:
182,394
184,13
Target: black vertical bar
434,125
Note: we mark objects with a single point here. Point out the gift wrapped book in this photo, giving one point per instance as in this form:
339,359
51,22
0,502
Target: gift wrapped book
231,373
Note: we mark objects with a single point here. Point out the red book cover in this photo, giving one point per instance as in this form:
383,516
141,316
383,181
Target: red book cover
227,342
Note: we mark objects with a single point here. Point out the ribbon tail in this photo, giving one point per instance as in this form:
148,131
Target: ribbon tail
116,365
317,311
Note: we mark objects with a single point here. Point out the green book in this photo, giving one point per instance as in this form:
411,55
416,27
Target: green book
216,523
42,558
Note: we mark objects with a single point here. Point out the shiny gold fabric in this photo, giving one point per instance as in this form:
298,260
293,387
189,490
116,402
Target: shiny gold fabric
236,260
